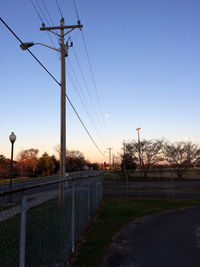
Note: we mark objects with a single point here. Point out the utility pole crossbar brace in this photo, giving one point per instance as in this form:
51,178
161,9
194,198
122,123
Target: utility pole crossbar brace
64,52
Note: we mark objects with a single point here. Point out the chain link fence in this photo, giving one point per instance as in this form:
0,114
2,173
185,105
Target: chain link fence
36,229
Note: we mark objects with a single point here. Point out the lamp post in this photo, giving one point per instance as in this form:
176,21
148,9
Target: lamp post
138,130
124,150
12,138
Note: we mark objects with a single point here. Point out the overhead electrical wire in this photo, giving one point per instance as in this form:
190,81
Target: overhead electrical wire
83,101
77,58
37,11
40,17
42,12
56,82
47,11
85,83
76,10
74,53
70,75
59,9
85,127
86,86
48,14
77,85
94,82
91,70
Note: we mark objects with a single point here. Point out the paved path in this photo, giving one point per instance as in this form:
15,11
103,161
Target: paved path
169,239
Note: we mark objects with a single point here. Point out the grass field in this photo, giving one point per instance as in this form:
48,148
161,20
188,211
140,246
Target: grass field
154,188
155,176
114,214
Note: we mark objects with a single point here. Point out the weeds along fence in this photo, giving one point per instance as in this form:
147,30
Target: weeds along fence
37,229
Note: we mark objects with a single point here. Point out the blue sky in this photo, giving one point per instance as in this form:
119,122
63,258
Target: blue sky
146,62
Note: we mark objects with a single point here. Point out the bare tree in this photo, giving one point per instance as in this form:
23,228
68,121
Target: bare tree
146,153
181,156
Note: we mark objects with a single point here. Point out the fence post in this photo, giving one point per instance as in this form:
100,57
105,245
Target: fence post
126,183
99,190
73,218
96,180
102,189
22,232
88,200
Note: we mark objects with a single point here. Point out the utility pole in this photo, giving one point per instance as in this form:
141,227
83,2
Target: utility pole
63,53
109,149
113,163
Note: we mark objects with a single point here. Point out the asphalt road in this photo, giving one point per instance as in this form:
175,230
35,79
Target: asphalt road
43,180
169,239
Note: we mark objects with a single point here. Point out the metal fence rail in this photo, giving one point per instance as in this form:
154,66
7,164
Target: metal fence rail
36,231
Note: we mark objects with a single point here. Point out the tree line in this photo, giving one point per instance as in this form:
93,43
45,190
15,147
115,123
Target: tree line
29,164
145,154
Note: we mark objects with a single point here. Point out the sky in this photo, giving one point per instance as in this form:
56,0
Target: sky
145,59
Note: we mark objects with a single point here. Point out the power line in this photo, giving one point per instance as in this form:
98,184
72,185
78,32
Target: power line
83,101
84,126
30,52
76,10
59,9
56,82
88,59
49,16
90,67
77,81
42,12
47,12
94,82
40,17
37,11
86,86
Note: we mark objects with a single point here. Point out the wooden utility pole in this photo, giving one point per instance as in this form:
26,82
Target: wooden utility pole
110,156
63,53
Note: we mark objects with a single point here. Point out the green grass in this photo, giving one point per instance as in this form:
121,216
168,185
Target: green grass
146,188
190,189
153,188
119,176
114,176
47,231
114,214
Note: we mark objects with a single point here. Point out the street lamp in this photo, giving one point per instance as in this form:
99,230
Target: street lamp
12,138
138,130
27,45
